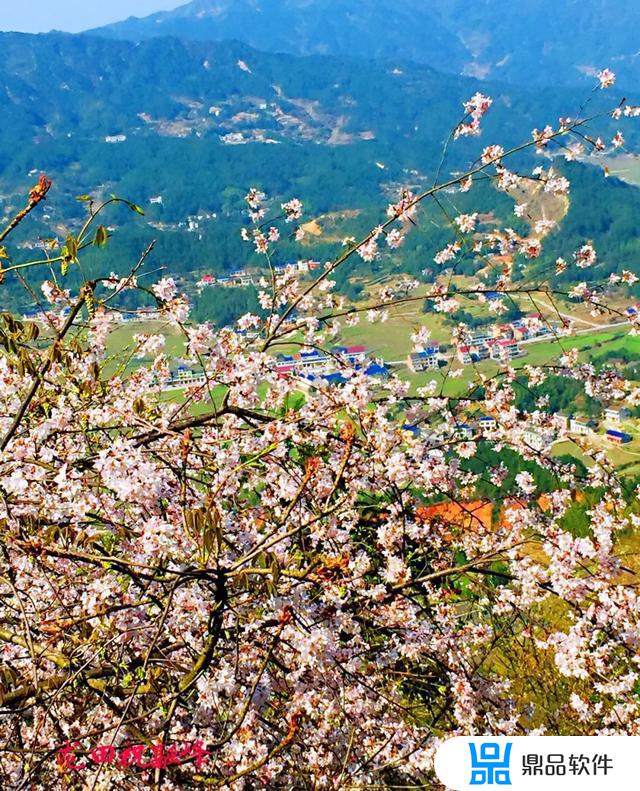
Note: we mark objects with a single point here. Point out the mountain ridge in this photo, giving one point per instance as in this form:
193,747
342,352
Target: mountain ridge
565,44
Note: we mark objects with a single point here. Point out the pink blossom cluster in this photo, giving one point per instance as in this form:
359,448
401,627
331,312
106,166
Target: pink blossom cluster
475,109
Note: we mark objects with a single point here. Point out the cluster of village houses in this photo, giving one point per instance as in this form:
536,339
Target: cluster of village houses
502,341
584,427
429,359
117,316
563,425
541,439
245,277
317,368
313,368
484,426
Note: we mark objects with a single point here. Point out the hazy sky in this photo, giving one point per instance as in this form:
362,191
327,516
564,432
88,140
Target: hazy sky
35,16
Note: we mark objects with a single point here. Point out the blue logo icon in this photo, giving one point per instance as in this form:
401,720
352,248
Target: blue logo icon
489,767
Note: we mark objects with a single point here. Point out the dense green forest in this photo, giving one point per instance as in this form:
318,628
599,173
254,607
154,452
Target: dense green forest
604,211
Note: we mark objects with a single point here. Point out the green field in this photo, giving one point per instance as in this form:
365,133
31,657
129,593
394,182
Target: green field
590,345
120,343
541,354
391,339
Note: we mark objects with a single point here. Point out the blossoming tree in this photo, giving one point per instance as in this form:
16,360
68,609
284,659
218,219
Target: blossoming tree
252,588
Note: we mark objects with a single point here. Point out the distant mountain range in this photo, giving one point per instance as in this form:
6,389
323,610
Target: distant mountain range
531,42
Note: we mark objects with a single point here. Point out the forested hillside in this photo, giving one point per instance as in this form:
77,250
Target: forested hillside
184,128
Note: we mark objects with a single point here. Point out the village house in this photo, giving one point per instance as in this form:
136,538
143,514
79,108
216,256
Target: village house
481,337
115,316
503,331
426,360
472,354
616,414
487,423
350,354
464,354
315,363
521,333
241,278
618,437
500,345
465,431
538,440
505,349
184,377
142,314
581,426
324,379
